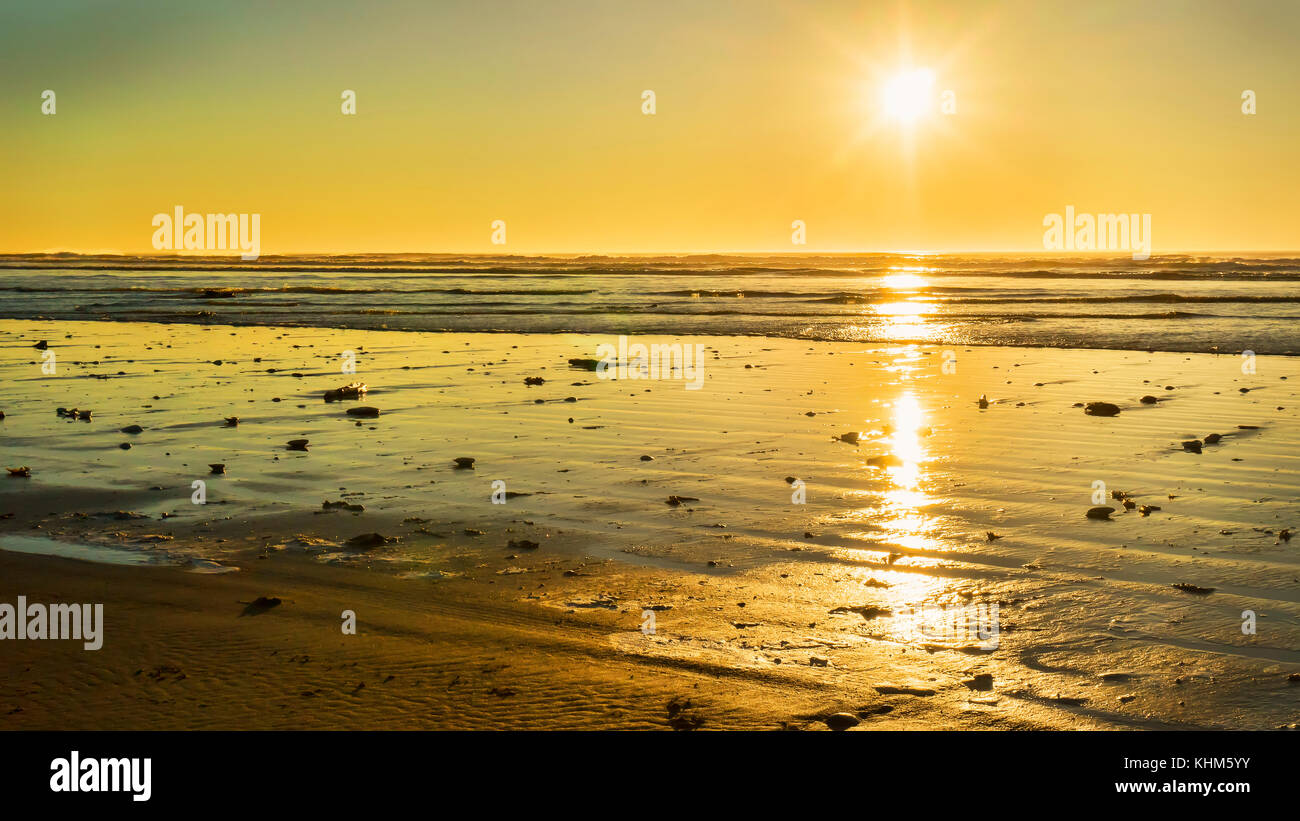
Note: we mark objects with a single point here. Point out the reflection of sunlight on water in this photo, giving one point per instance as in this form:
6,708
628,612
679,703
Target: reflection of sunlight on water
907,280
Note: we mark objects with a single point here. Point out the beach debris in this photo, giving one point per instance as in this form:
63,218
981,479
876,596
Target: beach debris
464,462
674,501
217,467
522,544
132,429
684,715
1119,495
471,531
850,438
364,410
1100,512
297,444
350,391
232,421
980,681
261,604
1284,534
23,472
866,611
584,364
842,721
1147,510
991,536
1192,446
534,380
1213,439
1194,589
1148,400
342,505
887,460
367,541
1101,409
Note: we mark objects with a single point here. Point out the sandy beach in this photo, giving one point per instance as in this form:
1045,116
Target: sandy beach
756,553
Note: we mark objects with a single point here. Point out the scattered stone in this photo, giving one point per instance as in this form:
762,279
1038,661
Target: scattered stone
23,472
262,603
1147,510
982,681
842,721
674,501
647,458
1193,589
1101,409
1213,439
232,421
1148,400
584,364
364,410
125,446
983,401
351,391
464,462
522,544
1192,446
866,611
534,380
1100,512
991,536
850,438
217,468
132,429
342,505
367,541
297,444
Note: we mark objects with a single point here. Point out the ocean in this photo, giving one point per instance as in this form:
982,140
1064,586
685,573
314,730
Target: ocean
1187,303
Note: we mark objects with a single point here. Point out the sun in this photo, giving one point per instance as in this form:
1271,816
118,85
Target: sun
909,95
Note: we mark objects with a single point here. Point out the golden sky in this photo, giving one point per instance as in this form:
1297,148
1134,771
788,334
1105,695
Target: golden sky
530,112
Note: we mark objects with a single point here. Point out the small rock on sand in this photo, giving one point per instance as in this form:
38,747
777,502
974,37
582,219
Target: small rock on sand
1148,400
297,444
132,429
464,462
1193,589
367,541
352,391
364,410
842,721
1100,512
1101,409
217,468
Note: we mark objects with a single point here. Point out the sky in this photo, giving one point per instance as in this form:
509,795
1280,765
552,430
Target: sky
532,113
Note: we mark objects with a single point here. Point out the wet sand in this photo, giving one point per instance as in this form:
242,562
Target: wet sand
477,633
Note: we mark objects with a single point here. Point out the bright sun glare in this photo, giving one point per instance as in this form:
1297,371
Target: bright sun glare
908,94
